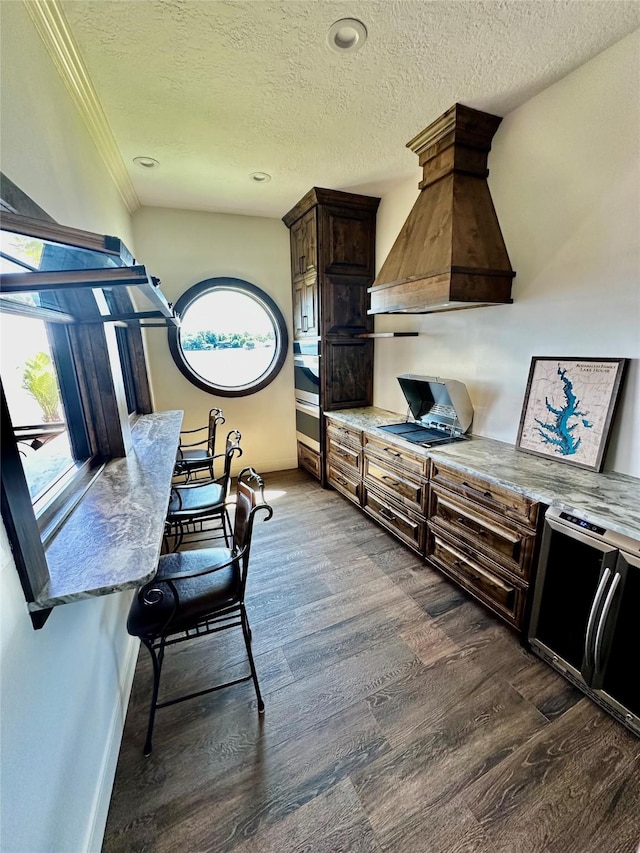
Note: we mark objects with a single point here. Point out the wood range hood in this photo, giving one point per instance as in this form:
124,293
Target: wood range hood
450,253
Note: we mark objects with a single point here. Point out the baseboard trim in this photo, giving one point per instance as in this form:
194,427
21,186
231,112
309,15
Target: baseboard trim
104,788
265,467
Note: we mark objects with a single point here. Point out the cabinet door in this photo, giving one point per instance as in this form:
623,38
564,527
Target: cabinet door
310,318
347,374
304,245
305,307
298,308
575,571
344,305
348,241
621,680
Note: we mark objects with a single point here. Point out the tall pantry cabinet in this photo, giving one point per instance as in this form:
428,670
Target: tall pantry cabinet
332,264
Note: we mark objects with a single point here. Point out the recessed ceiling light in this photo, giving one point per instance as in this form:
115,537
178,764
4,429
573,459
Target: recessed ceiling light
260,177
347,35
146,162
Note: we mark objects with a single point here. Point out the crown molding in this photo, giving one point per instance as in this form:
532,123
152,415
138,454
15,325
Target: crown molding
49,20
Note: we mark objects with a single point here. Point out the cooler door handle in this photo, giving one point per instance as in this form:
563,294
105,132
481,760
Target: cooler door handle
603,619
592,614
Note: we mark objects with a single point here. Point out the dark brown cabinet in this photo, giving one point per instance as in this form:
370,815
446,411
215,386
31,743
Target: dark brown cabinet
484,537
332,265
395,490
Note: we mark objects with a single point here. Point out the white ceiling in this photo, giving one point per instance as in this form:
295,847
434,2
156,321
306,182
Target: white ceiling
217,89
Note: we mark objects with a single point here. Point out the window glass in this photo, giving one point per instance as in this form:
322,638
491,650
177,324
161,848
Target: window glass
232,338
32,390
35,253
127,370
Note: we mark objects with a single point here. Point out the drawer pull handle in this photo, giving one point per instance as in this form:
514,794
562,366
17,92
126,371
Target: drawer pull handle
465,523
392,452
391,480
486,494
385,513
340,452
342,481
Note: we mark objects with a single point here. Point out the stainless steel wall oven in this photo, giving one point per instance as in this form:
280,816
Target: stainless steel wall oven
306,367
585,611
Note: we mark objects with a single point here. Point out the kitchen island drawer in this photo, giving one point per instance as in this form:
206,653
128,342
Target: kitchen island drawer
501,540
349,457
400,486
405,524
498,498
477,575
344,481
396,455
343,434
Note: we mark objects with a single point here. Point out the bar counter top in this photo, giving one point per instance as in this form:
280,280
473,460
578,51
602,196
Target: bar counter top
112,539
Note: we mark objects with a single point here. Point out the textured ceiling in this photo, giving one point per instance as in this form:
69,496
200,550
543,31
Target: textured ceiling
217,89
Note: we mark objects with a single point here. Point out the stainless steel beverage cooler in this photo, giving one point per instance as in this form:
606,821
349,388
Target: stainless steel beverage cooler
586,611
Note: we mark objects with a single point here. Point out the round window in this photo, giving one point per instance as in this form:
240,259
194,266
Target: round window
232,338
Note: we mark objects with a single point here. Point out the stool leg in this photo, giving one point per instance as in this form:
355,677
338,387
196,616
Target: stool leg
156,660
246,632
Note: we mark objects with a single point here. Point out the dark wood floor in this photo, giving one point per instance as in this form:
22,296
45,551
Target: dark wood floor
400,717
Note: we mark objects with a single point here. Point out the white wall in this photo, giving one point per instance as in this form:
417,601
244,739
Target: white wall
64,689
565,180
185,247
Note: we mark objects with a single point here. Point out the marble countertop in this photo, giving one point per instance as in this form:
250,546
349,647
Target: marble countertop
607,499
112,539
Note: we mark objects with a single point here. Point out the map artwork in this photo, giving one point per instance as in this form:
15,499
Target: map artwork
568,408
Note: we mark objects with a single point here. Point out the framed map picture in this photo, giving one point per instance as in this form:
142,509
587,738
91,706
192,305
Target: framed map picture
568,408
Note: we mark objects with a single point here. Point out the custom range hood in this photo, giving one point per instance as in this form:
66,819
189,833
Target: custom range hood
450,253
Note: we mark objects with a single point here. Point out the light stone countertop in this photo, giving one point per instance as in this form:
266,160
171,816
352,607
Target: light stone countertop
607,499
112,539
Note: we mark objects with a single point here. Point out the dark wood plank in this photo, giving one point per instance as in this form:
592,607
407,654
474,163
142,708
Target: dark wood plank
324,648
547,689
430,764
487,641
271,781
561,790
333,822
